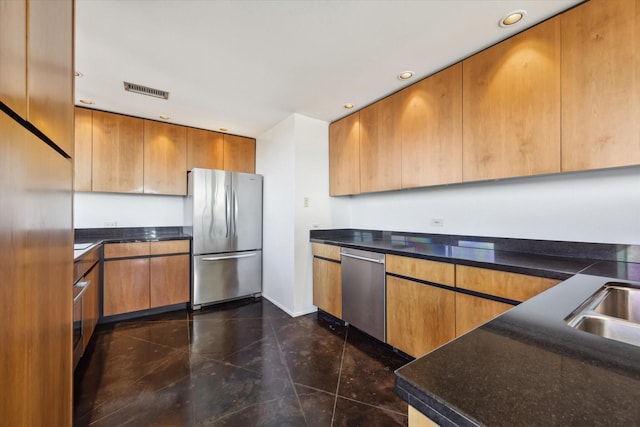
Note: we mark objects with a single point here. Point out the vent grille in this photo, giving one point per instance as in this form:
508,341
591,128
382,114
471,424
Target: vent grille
144,90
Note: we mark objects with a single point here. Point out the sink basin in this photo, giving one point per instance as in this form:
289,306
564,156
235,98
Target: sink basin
613,312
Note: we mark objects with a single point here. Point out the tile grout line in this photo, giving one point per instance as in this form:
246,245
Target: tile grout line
335,401
286,366
193,401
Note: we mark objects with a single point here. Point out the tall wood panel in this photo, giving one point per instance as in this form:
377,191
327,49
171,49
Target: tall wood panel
13,55
50,70
239,154
205,149
431,129
380,146
165,158
511,106
601,85
344,156
117,162
83,149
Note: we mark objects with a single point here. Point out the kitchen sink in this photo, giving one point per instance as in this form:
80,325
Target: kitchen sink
613,312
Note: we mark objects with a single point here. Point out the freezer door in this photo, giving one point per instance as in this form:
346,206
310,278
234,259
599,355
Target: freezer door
219,277
210,195
247,211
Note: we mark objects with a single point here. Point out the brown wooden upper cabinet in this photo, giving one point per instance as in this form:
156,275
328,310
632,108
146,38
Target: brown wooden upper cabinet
601,85
165,158
344,156
511,106
83,150
50,70
239,154
205,149
117,161
380,147
431,129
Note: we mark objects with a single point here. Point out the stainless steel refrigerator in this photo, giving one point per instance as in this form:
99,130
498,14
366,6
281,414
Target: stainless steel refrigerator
223,211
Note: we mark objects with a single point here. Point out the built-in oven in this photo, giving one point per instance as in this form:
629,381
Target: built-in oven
78,292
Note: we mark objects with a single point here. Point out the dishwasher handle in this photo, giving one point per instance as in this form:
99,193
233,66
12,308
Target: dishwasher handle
361,258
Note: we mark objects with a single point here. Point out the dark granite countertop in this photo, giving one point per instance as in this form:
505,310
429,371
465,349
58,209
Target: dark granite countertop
527,366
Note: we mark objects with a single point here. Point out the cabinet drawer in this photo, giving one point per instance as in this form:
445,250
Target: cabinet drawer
326,251
422,269
169,247
518,287
123,250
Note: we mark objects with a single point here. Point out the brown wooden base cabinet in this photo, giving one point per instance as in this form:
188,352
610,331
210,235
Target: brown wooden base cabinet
143,275
327,279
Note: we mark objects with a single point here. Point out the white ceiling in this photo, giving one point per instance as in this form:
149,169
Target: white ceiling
248,64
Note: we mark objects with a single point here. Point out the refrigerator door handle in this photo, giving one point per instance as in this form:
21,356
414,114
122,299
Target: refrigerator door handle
226,211
219,258
235,214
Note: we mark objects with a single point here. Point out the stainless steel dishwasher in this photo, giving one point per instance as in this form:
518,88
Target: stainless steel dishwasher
364,291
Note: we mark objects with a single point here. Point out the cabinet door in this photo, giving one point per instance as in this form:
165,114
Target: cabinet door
601,85
50,70
13,55
169,280
344,156
380,146
419,317
327,286
431,126
511,106
91,305
165,158
472,311
126,286
83,149
239,154
117,153
205,149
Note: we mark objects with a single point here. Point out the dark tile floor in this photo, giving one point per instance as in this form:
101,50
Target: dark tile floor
245,363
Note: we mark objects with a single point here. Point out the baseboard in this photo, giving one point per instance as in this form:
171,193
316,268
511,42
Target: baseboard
308,310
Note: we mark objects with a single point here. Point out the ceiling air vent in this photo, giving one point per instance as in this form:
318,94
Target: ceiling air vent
143,90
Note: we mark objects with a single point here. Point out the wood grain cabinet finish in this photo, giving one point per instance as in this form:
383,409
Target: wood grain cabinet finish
327,279
83,149
13,55
472,311
431,129
418,419
511,106
513,286
422,269
239,154
50,70
344,156
117,161
165,158
205,149
601,85
126,286
380,148
169,280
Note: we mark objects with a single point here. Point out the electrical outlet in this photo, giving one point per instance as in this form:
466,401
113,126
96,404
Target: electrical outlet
110,223
437,222
315,225
306,202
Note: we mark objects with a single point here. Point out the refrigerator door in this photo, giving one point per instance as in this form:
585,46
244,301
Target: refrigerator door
224,276
210,195
246,199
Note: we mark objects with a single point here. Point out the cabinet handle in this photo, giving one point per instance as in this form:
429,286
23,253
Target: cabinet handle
361,258
218,258
84,286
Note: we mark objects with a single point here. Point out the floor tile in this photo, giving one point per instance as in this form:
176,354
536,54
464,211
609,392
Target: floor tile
349,413
317,405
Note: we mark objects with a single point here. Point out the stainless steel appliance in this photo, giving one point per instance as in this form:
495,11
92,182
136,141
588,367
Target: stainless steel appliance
364,291
223,211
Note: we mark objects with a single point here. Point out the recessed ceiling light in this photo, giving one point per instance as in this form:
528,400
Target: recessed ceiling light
405,75
78,74
87,101
163,117
348,106
512,18
224,129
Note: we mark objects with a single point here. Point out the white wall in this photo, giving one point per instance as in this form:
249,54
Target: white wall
597,206
93,210
293,157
